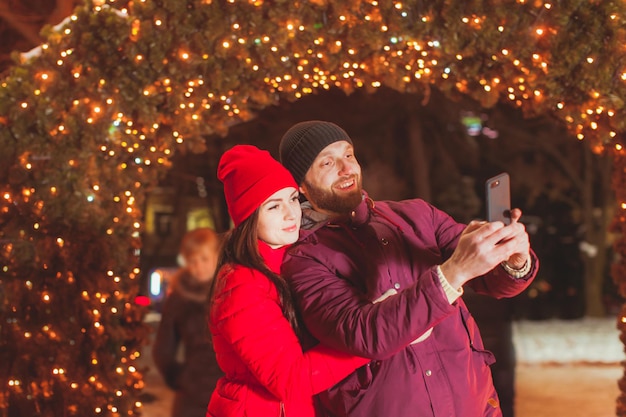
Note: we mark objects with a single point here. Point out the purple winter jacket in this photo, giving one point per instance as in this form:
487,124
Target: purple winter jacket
338,269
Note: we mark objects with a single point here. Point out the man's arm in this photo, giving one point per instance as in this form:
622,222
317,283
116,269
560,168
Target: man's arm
340,316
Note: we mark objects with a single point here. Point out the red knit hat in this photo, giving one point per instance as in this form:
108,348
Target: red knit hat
250,176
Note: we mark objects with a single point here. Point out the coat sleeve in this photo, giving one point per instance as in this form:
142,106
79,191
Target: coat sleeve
497,283
340,316
166,344
252,322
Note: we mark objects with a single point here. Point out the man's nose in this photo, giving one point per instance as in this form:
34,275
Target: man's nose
344,168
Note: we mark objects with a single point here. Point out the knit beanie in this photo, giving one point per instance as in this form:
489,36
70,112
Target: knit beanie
250,176
301,144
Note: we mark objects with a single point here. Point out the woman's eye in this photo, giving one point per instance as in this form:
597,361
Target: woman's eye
274,207
294,198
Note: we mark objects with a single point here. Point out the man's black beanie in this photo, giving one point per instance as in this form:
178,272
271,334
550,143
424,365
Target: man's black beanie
301,144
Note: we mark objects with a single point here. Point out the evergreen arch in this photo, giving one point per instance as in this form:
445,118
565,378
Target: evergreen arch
90,120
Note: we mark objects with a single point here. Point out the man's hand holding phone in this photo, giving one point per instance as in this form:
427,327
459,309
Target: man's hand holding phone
499,209
484,245
481,248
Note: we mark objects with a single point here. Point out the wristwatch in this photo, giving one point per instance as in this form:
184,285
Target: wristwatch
517,273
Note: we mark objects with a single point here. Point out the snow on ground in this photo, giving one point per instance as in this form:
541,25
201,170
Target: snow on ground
589,340
565,369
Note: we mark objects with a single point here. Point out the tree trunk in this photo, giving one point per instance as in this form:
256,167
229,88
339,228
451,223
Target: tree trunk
595,227
594,271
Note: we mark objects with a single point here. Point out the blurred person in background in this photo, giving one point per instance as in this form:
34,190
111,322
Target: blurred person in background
184,323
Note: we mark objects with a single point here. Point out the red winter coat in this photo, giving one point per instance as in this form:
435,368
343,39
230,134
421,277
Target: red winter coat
266,372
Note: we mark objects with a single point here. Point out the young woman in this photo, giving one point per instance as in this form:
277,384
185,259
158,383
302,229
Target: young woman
252,317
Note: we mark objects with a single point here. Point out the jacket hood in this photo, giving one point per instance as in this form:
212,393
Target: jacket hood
312,219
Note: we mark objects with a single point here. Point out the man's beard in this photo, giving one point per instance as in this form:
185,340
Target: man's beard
328,200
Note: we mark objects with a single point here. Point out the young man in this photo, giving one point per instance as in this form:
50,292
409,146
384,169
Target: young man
429,359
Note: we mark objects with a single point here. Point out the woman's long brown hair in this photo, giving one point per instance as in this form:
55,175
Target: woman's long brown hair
241,247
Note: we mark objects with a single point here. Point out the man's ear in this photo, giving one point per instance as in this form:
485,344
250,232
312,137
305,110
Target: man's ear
304,194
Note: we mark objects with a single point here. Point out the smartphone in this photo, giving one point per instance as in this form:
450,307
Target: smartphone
498,194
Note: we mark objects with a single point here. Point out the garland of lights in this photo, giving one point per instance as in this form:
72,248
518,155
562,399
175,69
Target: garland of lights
89,120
